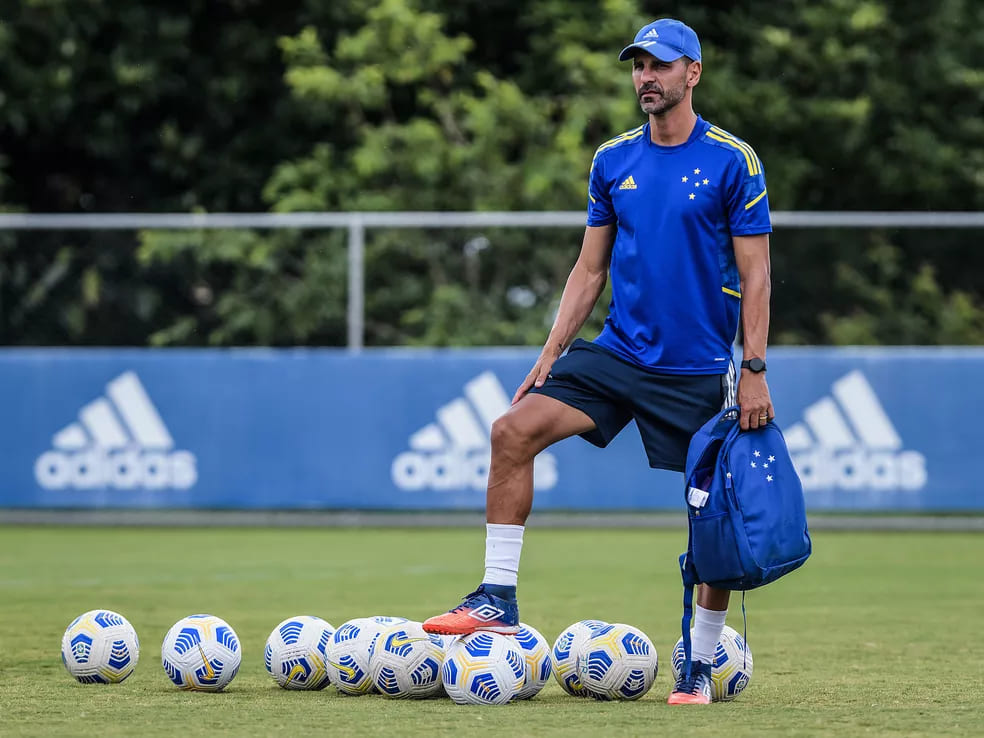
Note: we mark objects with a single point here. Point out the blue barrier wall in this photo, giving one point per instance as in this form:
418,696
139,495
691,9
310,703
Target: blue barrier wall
869,429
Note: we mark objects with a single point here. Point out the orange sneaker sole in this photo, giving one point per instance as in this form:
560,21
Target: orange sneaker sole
681,698
439,627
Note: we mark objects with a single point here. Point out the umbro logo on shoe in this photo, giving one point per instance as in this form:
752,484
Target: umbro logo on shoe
119,441
453,453
628,184
847,441
486,613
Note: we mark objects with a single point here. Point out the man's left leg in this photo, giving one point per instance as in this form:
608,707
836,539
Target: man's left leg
668,410
709,616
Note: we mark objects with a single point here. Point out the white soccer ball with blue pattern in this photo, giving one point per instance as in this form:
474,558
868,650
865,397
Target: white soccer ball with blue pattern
201,653
536,652
100,647
448,640
732,668
296,653
405,662
618,662
564,655
484,669
348,653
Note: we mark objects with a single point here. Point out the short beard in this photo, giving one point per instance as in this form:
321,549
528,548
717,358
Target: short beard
666,102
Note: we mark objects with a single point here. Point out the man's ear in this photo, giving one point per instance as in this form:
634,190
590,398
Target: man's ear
693,73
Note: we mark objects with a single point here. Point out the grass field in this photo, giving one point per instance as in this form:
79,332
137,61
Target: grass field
879,634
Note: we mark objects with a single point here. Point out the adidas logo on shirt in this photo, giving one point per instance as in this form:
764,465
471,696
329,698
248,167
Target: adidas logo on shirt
454,452
628,184
119,441
848,442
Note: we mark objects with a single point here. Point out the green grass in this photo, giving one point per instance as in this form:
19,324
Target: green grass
879,634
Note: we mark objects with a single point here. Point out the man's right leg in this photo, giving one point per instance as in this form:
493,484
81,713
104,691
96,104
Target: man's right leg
530,426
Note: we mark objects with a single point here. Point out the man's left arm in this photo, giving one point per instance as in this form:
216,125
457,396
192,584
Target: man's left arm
752,258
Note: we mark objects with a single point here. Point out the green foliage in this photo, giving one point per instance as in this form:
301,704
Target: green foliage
432,105
121,106
894,306
249,288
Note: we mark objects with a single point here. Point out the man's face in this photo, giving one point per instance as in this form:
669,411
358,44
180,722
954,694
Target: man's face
661,85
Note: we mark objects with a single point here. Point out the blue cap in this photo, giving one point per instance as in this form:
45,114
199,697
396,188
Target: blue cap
666,39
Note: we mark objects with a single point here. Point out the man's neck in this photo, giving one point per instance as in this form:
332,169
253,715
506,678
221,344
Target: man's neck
673,127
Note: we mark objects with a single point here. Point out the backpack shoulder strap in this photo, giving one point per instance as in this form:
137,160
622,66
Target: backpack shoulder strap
715,429
690,580
718,428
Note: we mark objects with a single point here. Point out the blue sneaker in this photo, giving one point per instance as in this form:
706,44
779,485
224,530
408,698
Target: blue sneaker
695,689
490,608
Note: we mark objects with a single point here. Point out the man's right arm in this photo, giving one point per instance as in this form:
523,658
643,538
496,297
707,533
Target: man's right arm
584,286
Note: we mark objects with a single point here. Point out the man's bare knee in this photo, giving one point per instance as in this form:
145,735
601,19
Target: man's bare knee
512,439
533,424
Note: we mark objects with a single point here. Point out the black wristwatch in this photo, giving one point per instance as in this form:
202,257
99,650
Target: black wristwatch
753,365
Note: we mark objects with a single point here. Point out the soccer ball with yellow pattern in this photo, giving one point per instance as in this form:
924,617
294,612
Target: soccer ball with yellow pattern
564,655
732,668
296,652
618,662
201,653
405,661
349,649
100,647
484,668
536,651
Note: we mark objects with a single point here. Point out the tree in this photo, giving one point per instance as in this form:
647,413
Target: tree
119,106
432,105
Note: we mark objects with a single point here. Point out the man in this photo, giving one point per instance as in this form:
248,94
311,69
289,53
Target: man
678,215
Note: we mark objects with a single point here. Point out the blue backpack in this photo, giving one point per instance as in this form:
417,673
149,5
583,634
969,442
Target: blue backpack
747,516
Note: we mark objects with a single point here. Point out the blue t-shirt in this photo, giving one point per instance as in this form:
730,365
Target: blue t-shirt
675,286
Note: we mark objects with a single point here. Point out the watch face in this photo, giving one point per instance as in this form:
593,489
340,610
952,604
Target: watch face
756,365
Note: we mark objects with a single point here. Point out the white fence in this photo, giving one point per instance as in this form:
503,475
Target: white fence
357,222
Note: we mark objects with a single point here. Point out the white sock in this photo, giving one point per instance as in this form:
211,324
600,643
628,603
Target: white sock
503,545
708,625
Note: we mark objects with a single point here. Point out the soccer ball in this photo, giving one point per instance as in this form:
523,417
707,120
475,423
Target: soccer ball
565,655
732,668
447,640
618,662
100,647
536,651
348,652
201,653
484,669
405,661
384,621
296,650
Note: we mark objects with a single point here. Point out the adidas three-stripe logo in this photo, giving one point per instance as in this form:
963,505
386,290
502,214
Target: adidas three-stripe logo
847,441
453,452
855,402
106,428
120,441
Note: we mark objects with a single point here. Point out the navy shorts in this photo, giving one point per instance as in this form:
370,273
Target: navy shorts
667,408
